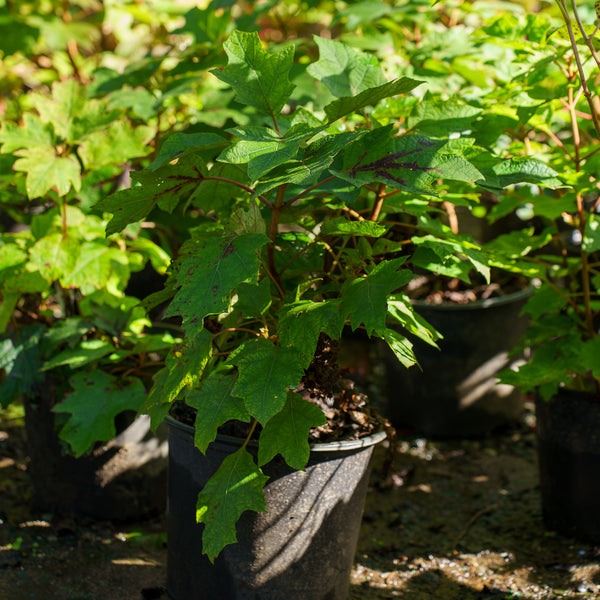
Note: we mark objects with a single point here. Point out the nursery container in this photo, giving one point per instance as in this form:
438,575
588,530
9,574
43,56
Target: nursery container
122,480
568,434
302,548
455,392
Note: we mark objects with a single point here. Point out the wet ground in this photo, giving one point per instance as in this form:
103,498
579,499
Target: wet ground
454,520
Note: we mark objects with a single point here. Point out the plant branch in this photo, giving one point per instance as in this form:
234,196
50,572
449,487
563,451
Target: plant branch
273,229
582,77
378,203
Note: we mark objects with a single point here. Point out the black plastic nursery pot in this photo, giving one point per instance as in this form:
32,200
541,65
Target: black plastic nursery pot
302,548
122,480
568,435
456,391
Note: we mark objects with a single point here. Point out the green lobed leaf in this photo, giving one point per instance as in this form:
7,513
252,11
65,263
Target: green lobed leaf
400,346
141,102
87,351
179,142
237,486
440,118
453,250
45,171
346,71
209,273
254,300
400,310
259,79
265,373
286,433
591,238
305,172
164,187
32,133
54,255
342,226
215,405
247,220
117,144
67,103
364,299
95,264
93,405
544,300
525,170
409,162
347,105
184,366
263,148
21,359
302,323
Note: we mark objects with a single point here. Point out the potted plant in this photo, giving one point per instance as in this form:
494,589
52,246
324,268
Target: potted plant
74,346
288,246
564,370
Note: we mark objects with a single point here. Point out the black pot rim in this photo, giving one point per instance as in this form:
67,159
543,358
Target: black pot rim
477,304
342,445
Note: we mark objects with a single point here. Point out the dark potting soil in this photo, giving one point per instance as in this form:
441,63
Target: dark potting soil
349,413
452,290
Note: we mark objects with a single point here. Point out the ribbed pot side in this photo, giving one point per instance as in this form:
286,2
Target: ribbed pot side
455,392
301,548
568,435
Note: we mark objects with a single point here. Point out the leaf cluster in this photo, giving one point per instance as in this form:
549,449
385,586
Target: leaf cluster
300,239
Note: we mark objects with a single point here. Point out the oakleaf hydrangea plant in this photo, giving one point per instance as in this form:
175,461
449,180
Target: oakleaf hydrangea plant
288,246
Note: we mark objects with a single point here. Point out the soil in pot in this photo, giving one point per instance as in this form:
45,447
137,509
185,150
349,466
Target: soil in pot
456,393
568,436
122,480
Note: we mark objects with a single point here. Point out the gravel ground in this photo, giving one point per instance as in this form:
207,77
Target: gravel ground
452,520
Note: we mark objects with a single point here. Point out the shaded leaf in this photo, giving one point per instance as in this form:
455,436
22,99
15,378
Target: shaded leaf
286,433
347,105
265,373
215,405
254,300
179,142
164,187
364,299
303,322
237,486
87,351
93,405
21,359
184,366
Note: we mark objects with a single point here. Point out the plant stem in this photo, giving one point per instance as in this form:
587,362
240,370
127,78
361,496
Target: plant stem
249,436
63,216
582,77
273,230
378,203
585,274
